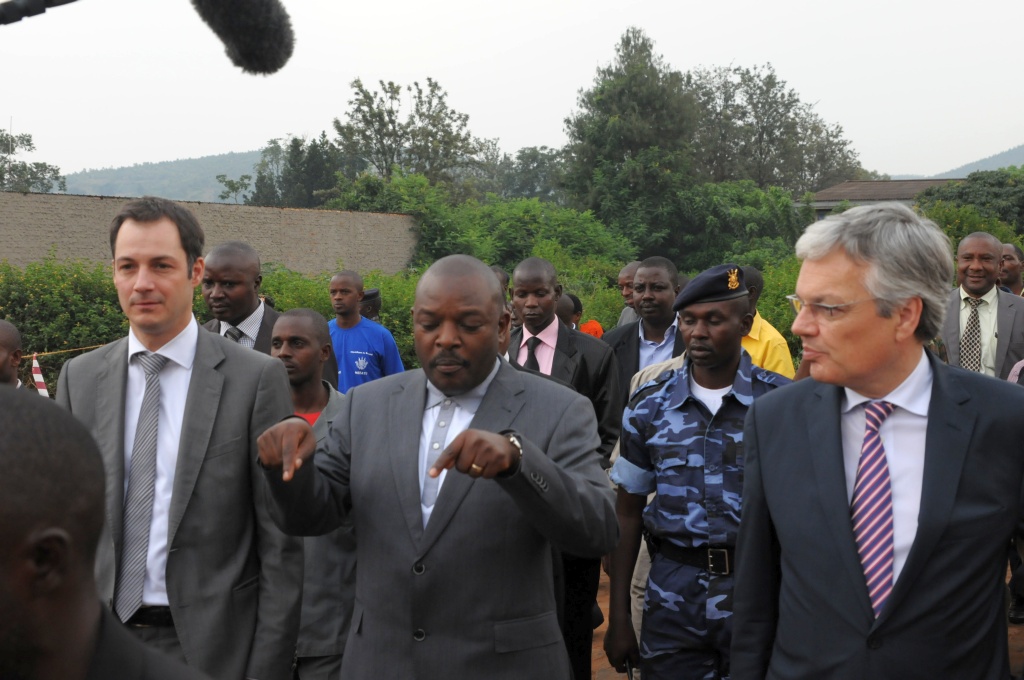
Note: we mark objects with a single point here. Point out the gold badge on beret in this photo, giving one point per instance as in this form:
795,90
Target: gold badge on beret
734,279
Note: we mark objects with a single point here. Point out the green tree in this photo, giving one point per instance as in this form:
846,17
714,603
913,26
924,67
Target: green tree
268,174
629,142
18,175
233,188
993,193
957,221
431,139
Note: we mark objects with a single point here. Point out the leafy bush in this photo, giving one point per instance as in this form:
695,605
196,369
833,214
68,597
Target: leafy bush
59,306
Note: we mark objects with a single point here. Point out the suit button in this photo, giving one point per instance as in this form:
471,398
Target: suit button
418,568
874,643
419,635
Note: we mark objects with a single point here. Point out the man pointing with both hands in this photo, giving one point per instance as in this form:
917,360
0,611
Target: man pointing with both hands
457,502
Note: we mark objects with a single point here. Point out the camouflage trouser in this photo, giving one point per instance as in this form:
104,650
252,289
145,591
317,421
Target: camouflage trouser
687,627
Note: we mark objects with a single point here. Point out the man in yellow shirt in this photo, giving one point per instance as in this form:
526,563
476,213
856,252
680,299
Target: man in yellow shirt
765,345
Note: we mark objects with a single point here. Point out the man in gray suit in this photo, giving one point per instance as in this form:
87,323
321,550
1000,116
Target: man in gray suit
189,559
984,326
302,342
481,470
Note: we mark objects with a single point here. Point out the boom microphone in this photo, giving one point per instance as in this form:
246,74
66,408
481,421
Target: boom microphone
16,10
257,33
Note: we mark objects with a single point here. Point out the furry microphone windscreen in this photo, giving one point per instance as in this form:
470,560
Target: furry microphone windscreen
257,33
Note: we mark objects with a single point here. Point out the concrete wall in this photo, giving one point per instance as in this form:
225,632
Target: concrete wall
307,241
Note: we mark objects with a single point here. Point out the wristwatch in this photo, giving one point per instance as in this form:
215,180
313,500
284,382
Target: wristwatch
517,442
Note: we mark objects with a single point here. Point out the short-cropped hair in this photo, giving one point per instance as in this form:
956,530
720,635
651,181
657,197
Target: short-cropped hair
907,256
154,209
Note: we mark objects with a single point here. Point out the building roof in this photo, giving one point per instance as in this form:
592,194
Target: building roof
878,190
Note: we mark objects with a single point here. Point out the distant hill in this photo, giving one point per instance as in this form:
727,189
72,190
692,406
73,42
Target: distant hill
191,179
1014,156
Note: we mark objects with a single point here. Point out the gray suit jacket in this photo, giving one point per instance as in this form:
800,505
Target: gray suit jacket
1009,331
328,588
469,596
802,610
233,579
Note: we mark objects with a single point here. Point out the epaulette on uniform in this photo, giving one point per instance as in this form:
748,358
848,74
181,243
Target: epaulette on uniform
769,377
649,387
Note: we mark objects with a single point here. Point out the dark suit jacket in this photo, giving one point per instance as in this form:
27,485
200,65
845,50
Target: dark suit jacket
625,342
121,655
470,595
233,579
801,604
266,332
589,366
1009,331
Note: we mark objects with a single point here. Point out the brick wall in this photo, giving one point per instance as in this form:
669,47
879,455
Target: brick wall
307,241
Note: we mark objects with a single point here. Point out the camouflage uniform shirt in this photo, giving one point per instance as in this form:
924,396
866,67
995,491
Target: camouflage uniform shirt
672,444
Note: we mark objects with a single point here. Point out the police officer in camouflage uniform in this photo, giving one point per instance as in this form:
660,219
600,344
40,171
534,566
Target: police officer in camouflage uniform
682,435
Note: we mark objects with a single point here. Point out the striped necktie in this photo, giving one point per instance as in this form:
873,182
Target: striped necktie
872,508
138,502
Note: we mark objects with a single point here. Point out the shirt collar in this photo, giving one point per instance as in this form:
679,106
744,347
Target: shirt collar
755,327
670,332
250,325
914,394
470,400
549,336
990,297
181,349
742,387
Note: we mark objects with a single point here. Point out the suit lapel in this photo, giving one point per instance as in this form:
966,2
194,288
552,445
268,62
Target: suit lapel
262,341
826,445
678,346
201,406
498,409
515,340
951,328
406,406
1006,311
631,344
110,431
565,362
947,440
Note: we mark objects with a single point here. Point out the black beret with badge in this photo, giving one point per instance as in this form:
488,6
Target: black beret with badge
722,282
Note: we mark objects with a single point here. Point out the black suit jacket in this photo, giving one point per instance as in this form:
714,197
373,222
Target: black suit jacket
119,654
589,367
270,316
625,343
801,604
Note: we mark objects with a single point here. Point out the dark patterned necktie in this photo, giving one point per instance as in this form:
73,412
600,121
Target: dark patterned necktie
138,503
531,355
233,334
872,508
970,344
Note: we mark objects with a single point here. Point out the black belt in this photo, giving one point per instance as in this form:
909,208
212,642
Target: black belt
151,617
717,561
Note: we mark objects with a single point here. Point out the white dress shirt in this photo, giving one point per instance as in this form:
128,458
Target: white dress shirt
466,406
250,327
903,436
174,381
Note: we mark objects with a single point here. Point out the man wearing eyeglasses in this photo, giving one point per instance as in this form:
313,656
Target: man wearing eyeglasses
984,328
880,494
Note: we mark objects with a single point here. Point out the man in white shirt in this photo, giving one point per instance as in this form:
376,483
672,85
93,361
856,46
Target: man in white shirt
984,327
190,561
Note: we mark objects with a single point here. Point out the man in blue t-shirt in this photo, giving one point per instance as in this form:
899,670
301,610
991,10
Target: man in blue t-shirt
365,350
